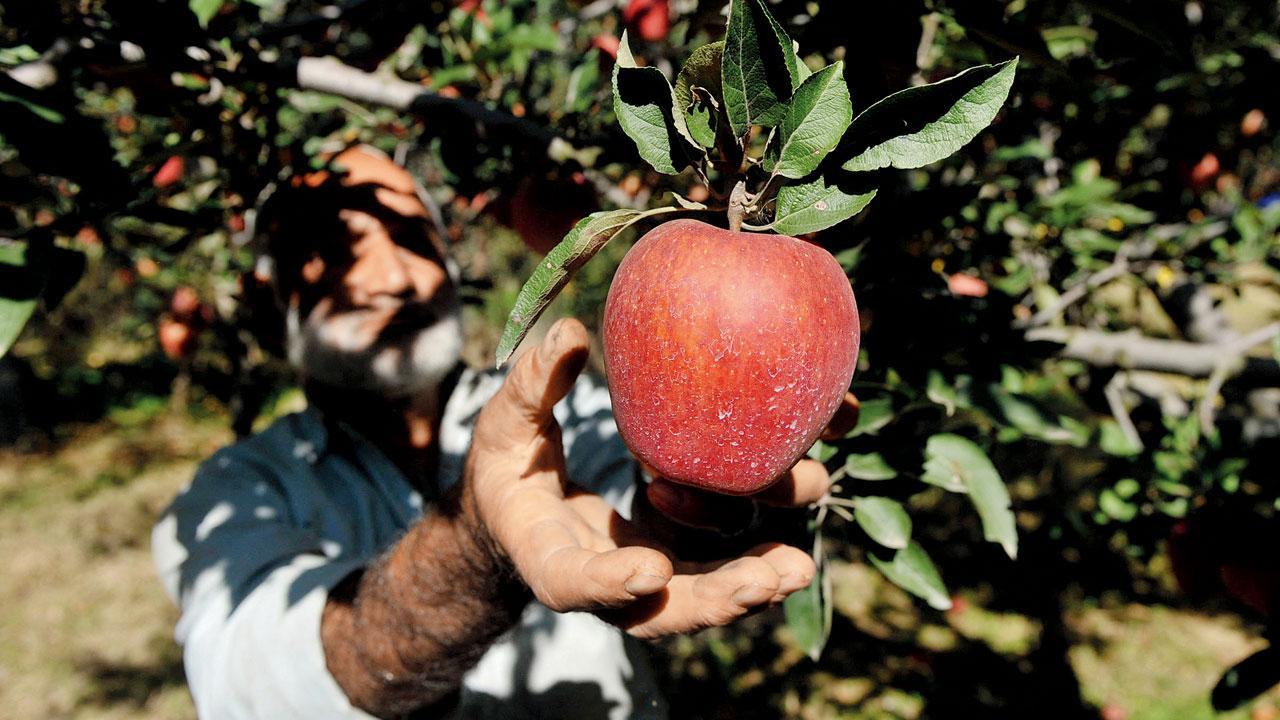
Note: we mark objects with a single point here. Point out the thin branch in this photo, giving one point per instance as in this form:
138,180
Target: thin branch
330,76
1232,362
1073,294
1114,392
1131,350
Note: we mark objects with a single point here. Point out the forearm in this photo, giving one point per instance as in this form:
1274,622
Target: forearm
400,636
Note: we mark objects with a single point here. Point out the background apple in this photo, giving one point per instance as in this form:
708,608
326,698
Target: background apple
727,352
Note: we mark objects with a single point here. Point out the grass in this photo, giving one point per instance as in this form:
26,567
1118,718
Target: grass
86,632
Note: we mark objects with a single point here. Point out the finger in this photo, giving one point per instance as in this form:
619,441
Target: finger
806,482
574,578
845,418
795,567
699,509
695,602
539,380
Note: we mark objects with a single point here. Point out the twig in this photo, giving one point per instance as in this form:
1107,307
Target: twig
1232,362
1114,392
1071,295
1132,350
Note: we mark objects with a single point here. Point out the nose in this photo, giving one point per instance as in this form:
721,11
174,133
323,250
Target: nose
381,270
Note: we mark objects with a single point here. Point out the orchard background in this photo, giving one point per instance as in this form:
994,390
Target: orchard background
1089,292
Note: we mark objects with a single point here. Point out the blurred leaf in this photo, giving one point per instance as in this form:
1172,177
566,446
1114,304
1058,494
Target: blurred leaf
872,415
584,78
758,72
938,390
939,119
20,293
1028,418
913,571
1115,507
809,611
555,270
645,105
205,10
817,205
1113,441
821,452
958,464
870,466
49,115
816,118
884,520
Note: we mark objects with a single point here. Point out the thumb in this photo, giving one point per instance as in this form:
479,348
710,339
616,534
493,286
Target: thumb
542,377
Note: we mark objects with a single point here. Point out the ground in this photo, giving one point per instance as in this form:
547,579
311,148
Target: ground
86,632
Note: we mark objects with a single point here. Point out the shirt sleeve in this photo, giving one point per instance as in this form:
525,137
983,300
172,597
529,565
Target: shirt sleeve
251,587
595,456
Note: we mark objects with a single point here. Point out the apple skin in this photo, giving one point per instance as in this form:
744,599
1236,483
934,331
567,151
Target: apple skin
727,352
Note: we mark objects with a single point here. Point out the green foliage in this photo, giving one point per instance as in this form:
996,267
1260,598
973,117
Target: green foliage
939,118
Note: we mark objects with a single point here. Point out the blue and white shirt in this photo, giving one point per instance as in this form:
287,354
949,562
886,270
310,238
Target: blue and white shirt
250,549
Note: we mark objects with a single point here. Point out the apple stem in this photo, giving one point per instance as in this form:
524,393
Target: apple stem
737,206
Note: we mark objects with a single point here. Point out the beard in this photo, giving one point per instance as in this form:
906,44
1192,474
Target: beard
378,351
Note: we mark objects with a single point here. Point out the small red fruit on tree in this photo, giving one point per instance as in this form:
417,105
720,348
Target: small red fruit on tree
648,19
177,338
727,352
169,173
542,210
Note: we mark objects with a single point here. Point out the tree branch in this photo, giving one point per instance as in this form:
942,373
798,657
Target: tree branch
1132,350
328,75
1230,364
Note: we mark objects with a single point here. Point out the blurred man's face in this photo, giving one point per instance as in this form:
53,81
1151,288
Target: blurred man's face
380,314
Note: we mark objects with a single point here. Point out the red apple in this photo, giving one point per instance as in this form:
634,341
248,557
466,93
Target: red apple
544,210
177,338
649,19
169,173
727,352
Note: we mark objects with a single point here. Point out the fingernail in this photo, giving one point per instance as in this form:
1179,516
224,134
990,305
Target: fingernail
792,582
644,583
749,595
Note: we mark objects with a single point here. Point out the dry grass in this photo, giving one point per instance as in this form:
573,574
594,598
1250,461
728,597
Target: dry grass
85,630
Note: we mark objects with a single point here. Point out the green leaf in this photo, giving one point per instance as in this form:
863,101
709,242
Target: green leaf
913,571
553,273
697,86
645,105
813,206
959,465
758,72
821,452
1113,440
49,115
884,520
1115,507
20,288
870,466
817,116
872,415
1027,417
205,10
581,91
938,390
924,124
809,611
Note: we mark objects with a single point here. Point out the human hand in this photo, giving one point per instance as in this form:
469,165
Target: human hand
570,547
